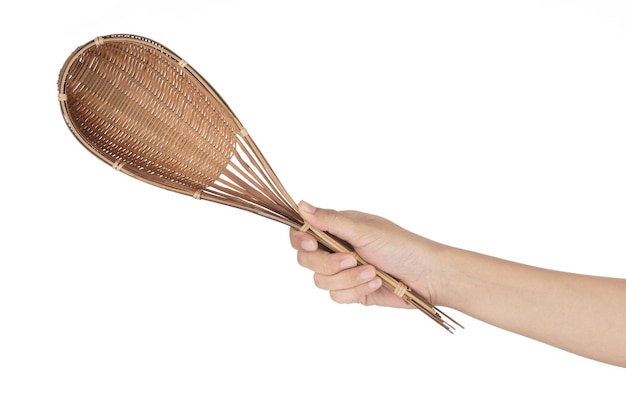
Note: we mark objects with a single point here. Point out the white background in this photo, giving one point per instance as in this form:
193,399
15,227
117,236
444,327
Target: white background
494,126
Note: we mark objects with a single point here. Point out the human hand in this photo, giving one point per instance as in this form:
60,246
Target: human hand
383,244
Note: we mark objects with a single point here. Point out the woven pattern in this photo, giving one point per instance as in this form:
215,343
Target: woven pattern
143,110
133,105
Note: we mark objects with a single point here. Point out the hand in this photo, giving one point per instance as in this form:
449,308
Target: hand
390,248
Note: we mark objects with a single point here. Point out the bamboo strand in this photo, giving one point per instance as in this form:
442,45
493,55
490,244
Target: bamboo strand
261,164
263,191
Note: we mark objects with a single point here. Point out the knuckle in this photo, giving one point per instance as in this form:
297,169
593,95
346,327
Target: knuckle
292,237
331,216
334,295
302,258
328,266
317,279
305,259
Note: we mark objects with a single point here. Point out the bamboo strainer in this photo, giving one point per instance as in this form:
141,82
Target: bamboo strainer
143,110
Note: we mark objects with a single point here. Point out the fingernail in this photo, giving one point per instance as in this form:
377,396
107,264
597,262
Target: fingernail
347,262
308,245
367,274
375,283
306,207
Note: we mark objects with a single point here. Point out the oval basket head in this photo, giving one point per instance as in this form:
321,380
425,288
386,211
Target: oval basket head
140,108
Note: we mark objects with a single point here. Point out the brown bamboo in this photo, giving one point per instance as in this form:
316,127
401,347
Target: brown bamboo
143,110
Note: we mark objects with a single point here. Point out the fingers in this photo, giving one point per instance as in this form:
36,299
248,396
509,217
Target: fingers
317,260
349,278
337,273
302,241
350,285
361,294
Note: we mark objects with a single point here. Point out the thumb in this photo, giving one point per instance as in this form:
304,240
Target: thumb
341,224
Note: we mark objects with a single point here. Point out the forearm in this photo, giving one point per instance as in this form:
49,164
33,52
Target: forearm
582,314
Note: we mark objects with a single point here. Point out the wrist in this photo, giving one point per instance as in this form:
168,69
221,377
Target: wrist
448,276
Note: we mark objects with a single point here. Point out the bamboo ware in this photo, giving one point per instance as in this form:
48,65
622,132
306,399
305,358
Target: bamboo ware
143,110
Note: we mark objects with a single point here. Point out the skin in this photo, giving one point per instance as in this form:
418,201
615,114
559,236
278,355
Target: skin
581,314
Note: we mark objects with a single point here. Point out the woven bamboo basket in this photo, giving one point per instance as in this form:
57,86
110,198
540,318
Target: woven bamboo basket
146,112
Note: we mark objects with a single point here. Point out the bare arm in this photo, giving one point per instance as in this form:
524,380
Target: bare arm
585,315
